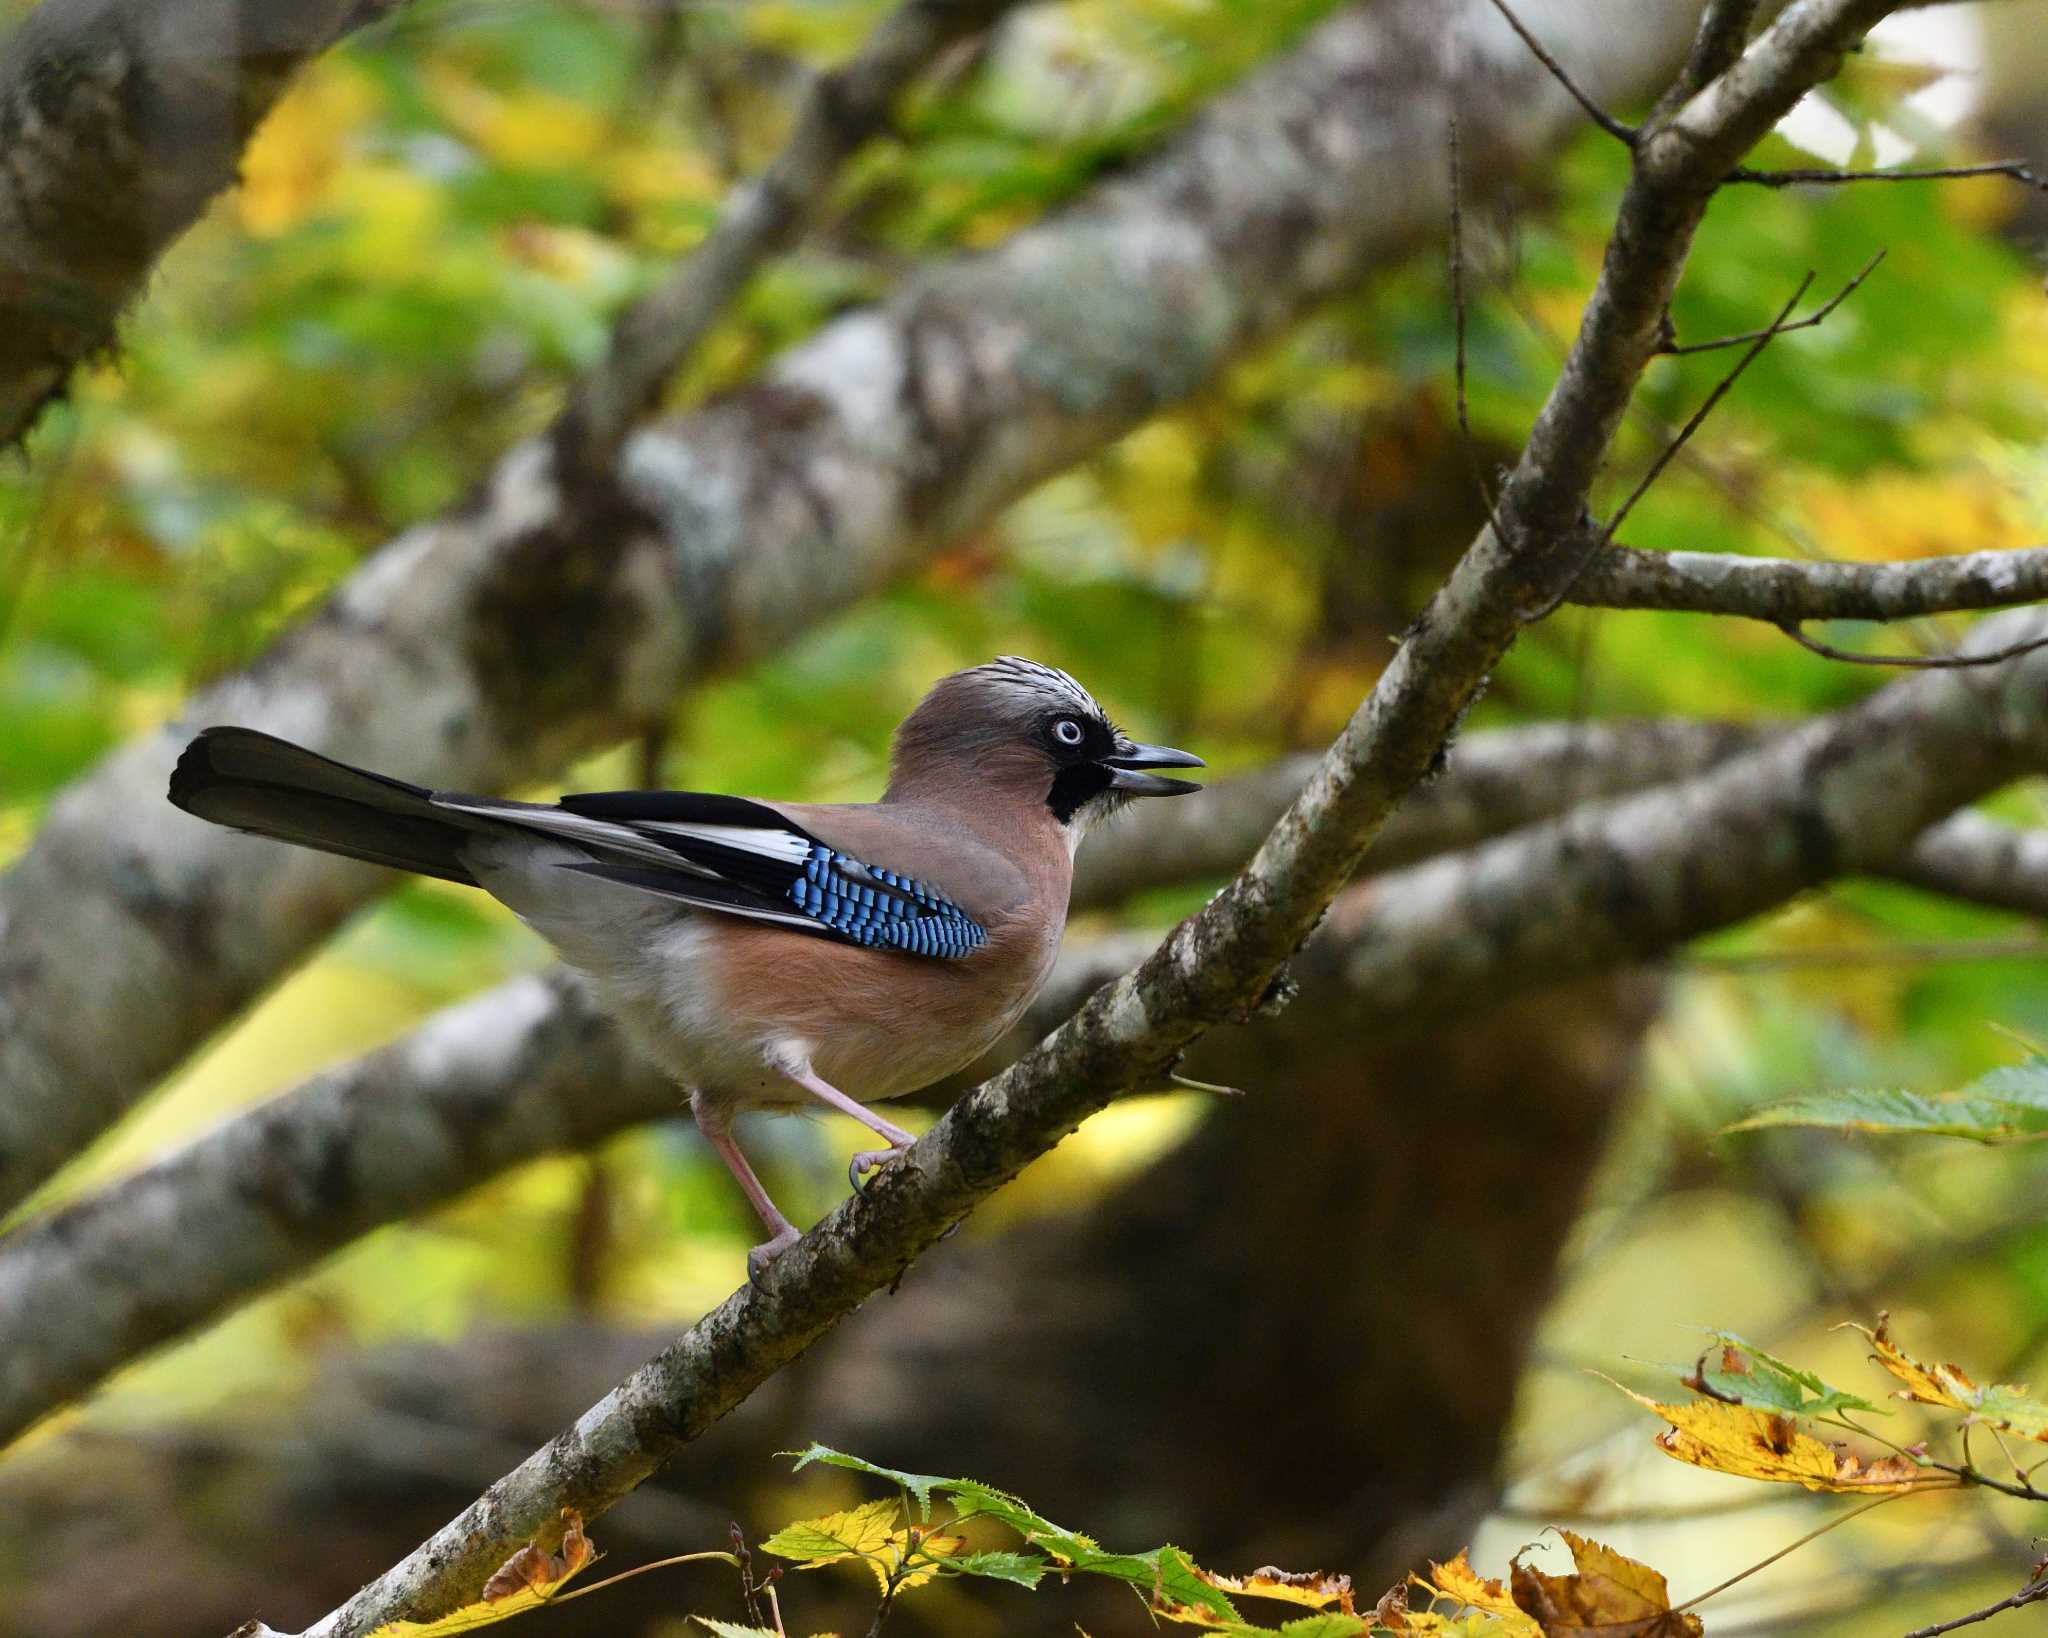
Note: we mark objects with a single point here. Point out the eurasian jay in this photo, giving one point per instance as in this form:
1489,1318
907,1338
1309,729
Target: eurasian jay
766,954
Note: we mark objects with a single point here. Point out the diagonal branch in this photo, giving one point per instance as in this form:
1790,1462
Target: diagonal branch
1225,960
119,120
842,110
485,648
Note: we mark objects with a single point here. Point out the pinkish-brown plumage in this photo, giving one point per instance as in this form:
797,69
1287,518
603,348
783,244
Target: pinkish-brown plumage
932,918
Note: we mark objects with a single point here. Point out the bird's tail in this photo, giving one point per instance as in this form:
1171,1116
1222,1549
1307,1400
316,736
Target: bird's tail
271,787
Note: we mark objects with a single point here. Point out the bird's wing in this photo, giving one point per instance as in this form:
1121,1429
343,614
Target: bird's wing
743,858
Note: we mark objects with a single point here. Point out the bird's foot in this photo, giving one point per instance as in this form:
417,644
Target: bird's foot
767,1251
869,1160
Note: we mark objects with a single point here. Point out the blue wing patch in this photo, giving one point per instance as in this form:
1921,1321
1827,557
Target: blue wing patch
880,909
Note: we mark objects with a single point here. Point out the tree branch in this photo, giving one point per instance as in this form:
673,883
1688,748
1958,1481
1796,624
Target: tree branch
1224,960
482,650
842,110
119,120
1783,591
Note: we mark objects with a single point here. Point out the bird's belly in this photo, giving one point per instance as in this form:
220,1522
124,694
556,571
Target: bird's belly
876,1024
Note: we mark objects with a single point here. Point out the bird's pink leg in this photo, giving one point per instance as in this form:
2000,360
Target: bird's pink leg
825,1092
716,1125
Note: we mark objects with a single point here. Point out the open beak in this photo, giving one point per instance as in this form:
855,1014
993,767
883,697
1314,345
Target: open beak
1130,761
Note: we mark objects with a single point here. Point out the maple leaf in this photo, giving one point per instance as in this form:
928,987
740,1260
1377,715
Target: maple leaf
1608,1594
1753,1443
2005,1406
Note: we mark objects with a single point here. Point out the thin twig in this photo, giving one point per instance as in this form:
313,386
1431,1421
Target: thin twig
2034,1592
1912,662
1763,339
1603,535
2017,169
1598,115
1818,316
1787,1551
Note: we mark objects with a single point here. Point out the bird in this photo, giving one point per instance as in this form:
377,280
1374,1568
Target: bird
766,955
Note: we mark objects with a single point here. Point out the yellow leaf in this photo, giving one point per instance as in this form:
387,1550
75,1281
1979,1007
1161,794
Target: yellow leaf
525,1581
1312,1588
1761,1444
2005,1406
1609,1594
867,1533
1459,1583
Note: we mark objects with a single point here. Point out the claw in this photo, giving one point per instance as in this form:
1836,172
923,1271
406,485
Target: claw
766,1252
869,1160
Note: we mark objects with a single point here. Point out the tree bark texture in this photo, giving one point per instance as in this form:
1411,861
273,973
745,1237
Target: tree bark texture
119,121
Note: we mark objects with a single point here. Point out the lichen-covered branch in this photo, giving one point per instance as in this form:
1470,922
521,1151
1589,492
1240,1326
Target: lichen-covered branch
1224,960
119,120
1785,592
482,650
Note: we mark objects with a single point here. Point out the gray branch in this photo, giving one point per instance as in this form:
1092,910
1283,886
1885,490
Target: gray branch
119,120
482,650
1786,592
1224,960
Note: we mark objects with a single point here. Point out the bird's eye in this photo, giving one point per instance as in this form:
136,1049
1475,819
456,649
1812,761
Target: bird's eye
1067,731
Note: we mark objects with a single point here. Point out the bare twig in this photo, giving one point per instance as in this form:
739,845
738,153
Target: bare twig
2019,170
2034,1592
1598,115
1697,419
1911,662
1601,537
1818,316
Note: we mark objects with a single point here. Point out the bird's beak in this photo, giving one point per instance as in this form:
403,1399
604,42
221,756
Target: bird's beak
1130,760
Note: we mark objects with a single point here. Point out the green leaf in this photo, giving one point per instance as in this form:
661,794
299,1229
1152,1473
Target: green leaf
2006,1105
1740,1373
974,1500
1021,1569
920,1485
728,1629
1165,1575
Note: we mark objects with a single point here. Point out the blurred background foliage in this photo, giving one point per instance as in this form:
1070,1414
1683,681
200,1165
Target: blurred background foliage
434,230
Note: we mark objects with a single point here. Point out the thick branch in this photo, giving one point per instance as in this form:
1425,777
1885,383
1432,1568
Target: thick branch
1224,960
119,120
482,650
1785,592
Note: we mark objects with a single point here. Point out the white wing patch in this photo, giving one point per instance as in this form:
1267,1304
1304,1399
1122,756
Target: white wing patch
598,833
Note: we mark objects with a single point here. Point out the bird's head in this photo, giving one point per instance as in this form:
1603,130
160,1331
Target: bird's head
1017,731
